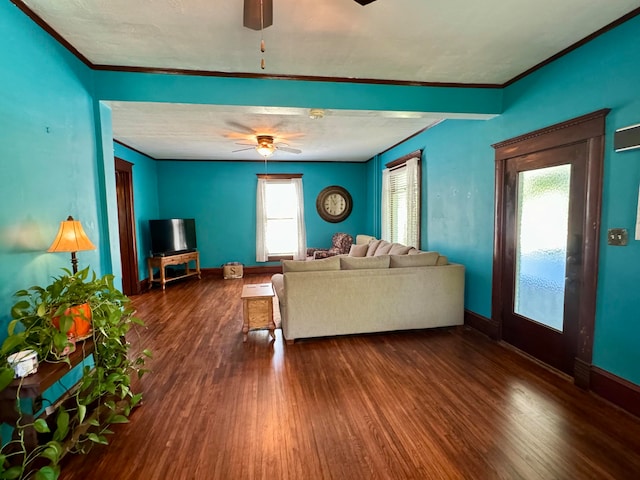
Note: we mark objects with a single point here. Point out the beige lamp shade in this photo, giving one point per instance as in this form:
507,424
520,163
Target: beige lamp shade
71,238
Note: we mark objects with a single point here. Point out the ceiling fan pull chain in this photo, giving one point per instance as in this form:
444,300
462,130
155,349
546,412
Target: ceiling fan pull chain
262,49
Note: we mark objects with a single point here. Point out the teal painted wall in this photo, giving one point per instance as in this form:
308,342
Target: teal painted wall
221,196
48,167
145,195
458,182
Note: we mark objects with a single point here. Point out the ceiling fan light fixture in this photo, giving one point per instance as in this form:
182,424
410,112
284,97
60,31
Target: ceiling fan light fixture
265,146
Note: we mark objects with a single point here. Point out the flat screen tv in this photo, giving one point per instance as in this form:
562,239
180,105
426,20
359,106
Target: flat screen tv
173,235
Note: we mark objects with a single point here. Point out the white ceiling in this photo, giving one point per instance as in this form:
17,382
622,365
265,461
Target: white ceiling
451,41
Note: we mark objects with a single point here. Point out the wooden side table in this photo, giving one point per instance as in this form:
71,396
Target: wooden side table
257,306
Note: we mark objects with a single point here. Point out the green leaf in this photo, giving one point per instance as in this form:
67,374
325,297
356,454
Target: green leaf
11,343
51,454
13,472
47,473
42,310
118,419
148,353
137,321
82,411
94,422
62,423
6,377
135,400
98,439
41,426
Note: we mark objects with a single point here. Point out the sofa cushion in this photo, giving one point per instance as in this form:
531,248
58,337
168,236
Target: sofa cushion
383,248
331,263
364,239
355,263
373,245
399,249
414,251
425,259
358,250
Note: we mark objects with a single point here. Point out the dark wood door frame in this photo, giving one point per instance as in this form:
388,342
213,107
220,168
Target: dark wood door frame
588,129
127,227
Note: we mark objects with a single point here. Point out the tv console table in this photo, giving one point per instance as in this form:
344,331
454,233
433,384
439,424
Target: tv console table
179,259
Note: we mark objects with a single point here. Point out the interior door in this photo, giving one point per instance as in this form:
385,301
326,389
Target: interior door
126,227
546,242
544,221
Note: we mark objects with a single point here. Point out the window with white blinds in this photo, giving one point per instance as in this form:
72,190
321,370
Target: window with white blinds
401,203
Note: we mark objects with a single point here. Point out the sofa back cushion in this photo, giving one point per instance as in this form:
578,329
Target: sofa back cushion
358,250
373,245
399,249
331,263
364,239
355,263
384,248
426,259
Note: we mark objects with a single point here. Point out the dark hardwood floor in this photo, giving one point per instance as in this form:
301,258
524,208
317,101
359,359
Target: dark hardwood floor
437,404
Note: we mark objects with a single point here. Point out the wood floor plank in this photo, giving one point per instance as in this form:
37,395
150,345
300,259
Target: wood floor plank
436,404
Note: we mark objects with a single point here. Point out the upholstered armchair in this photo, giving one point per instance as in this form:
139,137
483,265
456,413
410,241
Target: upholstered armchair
340,243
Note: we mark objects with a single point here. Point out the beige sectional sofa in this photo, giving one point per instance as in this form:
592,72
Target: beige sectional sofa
345,294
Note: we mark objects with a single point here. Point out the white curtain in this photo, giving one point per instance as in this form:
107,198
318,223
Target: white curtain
298,247
413,203
386,205
261,221
301,253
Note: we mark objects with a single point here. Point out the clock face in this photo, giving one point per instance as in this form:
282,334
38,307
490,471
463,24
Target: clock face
334,204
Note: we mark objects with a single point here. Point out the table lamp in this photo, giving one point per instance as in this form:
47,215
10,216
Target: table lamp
71,238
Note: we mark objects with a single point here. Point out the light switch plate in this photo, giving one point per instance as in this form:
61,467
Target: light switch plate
617,237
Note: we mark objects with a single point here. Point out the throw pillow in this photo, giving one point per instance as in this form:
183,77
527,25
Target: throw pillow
399,249
364,239
442,260
426,259
358,250
354,263
383,248
373,245
331,263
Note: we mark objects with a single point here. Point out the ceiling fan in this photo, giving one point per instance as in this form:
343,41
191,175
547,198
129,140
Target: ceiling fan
266,146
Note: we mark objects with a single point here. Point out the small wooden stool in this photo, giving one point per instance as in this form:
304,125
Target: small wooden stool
257,306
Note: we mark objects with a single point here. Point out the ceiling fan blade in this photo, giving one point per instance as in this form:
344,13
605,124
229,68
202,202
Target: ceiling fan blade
242,149
247,144
241,128
290,150
252,14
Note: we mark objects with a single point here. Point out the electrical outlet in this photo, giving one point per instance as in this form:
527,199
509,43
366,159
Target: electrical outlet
617,237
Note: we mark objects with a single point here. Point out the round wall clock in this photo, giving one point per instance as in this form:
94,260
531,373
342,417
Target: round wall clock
334,204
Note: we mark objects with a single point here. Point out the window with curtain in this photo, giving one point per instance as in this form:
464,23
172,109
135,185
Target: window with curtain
401,200
280,229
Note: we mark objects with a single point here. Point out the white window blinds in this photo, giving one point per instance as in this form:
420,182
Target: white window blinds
401,204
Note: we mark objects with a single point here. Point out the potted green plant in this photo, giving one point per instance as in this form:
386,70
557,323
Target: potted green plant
43,320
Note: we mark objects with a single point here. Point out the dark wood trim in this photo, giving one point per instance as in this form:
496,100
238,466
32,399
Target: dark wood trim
581,373
482,324
404,159
591,125
278,176
590,129
617,390
575,46
56,36
144,284
251,270
410,137
298,78
126,168
277,258
133,149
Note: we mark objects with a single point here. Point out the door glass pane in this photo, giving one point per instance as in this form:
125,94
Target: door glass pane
541,252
